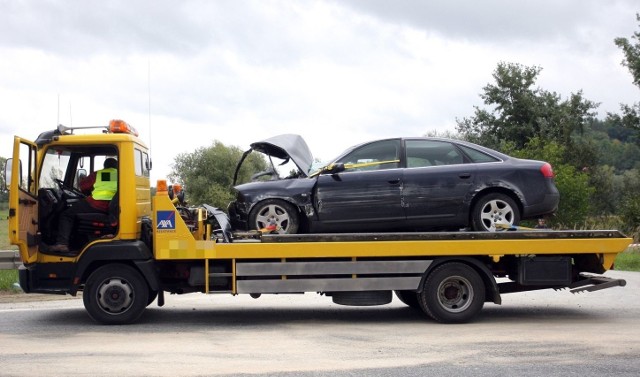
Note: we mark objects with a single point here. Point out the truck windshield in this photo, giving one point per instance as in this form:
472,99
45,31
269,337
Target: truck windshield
54,166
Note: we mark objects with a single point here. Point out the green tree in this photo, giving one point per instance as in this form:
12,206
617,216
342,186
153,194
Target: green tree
518,111
207,173
628,191
605,198
528,122
630,198
630,116
631,53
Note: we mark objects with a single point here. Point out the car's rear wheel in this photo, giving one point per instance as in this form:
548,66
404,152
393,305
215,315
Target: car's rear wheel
495,209
275,215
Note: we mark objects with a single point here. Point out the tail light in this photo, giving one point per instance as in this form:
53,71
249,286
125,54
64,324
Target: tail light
547,170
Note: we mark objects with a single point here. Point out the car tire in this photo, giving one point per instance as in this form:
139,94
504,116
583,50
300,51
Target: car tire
492,209
275,212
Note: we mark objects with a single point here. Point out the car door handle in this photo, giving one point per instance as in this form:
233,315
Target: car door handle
394,181
465,175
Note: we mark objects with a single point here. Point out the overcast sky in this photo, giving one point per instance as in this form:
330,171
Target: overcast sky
336,72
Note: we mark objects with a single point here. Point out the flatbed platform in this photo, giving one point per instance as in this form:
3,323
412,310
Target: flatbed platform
443,236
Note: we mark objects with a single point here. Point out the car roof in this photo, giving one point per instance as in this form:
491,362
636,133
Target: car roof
486,150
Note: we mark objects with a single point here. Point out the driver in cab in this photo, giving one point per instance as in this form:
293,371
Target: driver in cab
103,185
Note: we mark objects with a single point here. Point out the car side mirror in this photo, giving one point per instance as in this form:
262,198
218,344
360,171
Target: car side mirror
333,169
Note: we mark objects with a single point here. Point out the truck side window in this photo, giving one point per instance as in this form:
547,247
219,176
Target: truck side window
27,170
141,163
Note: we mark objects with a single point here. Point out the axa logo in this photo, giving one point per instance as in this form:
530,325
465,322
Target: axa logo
166,220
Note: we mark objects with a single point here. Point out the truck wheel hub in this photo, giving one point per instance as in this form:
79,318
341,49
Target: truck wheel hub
115,296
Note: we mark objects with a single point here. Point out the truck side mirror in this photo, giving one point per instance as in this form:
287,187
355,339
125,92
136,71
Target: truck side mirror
80,175
7,173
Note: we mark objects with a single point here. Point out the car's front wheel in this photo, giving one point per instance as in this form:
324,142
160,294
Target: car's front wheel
493,210
276,216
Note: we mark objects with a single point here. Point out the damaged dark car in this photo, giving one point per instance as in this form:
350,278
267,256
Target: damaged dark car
399,184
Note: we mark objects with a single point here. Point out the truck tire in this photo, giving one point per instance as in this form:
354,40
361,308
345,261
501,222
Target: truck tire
492,209
409,298
275,212
452,293
115,294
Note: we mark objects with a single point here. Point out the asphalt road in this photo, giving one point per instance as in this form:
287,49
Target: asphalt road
543,333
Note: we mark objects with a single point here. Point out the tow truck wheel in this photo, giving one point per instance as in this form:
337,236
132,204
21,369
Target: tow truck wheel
115,294
275,212
452,293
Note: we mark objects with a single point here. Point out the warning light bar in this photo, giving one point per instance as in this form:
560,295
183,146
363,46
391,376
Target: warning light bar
118,126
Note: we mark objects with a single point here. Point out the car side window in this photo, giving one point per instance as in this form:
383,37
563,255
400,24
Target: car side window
422,153
378,155
477,156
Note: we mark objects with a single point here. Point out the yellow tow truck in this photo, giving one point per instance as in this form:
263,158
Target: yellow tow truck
127,258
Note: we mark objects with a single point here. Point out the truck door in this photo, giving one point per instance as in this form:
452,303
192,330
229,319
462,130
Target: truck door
23,199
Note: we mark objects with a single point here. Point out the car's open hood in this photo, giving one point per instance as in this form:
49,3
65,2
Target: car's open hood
283,146
287,146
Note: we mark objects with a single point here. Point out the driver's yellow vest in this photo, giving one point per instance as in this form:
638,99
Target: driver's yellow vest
106,184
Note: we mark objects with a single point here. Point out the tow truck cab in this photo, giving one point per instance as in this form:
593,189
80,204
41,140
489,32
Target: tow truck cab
44,178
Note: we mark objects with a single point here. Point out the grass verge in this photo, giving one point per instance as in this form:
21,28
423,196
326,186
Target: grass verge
7,280
629,260
7,277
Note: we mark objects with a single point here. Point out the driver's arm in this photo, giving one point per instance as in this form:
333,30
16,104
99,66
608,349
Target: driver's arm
86,185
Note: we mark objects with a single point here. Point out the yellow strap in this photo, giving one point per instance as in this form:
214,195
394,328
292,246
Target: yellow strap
367,164
353,166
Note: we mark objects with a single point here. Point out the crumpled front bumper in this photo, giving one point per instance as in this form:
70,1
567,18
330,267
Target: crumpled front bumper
238,216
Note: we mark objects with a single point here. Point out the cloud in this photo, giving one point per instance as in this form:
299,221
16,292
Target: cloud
336,72
495,21
77,28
